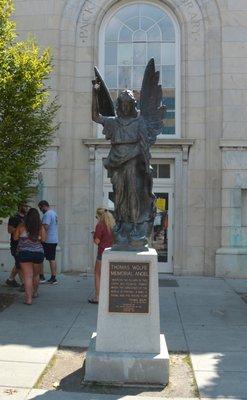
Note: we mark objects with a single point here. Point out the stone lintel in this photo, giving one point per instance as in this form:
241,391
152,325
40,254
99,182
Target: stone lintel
178,143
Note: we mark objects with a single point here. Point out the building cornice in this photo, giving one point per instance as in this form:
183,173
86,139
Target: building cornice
229,144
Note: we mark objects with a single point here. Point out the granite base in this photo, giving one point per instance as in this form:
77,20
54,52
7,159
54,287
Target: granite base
127,368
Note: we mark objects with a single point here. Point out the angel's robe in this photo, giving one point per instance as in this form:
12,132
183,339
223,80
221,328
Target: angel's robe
125,135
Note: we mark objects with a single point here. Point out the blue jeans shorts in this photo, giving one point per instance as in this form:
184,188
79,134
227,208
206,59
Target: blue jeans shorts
31,256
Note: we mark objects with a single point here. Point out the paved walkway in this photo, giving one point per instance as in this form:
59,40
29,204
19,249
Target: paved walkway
204,316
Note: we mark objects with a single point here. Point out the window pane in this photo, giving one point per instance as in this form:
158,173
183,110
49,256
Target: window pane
127,12
111,54
113,94
169,123
154,50
125,35
169,128
111,76
167,29
168,76
125,54
124,77
164,170
146,23
137,97
139,36
150,11
133,23
137,76
137,33
111,34
139,53
154,34
169,98
168,53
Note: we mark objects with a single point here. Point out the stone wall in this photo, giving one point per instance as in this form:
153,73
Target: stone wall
231,258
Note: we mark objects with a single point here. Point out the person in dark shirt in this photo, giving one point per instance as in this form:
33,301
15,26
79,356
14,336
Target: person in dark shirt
14,221
103,238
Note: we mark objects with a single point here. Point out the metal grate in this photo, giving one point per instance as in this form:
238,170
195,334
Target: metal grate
168,283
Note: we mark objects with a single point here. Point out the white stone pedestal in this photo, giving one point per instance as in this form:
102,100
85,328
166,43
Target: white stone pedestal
128,347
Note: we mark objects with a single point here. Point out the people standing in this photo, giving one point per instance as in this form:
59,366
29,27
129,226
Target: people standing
30,236
103,238
13,222
49,222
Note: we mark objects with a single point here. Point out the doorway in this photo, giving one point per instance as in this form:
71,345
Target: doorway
163,229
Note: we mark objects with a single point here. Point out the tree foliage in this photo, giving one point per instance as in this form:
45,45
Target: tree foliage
26,113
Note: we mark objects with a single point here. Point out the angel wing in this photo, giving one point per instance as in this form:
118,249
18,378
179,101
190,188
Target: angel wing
150,101
106,106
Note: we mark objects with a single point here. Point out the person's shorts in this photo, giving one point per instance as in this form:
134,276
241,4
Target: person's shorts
50,251
31,256
99,257
17,262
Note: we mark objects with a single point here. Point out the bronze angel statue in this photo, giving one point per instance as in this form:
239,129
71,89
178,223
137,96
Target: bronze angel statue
131,133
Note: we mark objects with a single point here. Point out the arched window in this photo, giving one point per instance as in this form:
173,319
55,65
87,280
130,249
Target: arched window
132,35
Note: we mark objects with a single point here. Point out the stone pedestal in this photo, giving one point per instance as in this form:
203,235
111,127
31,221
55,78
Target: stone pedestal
128,347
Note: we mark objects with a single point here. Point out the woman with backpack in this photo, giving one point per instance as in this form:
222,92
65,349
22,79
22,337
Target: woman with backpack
30,252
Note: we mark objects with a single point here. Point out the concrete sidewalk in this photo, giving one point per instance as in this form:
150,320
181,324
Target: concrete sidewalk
204,316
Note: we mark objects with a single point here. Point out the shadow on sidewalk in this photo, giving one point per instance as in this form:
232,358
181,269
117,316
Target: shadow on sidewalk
24,330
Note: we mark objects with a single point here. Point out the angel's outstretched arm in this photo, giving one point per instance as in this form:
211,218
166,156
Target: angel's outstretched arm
96,116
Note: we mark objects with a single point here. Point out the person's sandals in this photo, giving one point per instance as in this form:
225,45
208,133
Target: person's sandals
93,301
35,295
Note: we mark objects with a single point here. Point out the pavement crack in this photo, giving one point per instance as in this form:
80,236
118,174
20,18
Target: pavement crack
69,329
181,321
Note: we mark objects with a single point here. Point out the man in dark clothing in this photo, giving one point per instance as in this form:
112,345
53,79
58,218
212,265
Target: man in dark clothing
12,225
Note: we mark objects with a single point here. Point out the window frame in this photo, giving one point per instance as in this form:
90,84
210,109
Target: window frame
101,40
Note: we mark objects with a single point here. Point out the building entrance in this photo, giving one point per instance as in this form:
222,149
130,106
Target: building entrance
163,229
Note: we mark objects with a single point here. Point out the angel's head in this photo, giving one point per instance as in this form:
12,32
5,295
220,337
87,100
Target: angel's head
126,104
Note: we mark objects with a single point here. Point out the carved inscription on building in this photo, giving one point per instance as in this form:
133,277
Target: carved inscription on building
129,287
194,16
87,13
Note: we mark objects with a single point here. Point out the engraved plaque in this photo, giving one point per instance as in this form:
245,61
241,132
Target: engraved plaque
129,287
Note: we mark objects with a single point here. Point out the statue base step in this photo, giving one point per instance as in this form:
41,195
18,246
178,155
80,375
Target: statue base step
127,368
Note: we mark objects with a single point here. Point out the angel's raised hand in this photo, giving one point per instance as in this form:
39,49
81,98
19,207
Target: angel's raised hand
96,85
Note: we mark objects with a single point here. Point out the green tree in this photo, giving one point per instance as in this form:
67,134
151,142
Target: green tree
26,113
